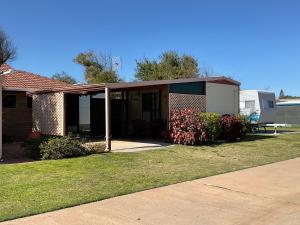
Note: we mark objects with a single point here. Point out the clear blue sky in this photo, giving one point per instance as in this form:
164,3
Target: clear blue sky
256,42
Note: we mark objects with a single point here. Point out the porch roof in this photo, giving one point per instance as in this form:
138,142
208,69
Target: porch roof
84,89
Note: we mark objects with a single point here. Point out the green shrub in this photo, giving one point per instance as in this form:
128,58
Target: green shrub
94,148
212,124
247,128
62,147
32,146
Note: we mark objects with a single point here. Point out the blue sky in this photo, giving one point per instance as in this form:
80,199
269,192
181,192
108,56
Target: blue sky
255,42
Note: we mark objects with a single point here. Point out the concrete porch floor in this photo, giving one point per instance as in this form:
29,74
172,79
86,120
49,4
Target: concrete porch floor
137,145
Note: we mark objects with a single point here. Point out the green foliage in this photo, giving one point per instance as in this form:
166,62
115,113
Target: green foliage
246,124
98,69
7,49
62,147
212,124
281,95
64,77
32,146
169,66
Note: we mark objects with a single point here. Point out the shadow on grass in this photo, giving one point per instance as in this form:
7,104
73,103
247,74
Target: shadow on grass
247,138
255,137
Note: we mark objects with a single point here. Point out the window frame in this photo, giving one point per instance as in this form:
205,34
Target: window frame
153,107
250,101
272,105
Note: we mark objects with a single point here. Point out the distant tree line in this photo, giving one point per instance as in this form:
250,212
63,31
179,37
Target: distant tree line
282,95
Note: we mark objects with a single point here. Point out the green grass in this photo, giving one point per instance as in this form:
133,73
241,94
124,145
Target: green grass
32,188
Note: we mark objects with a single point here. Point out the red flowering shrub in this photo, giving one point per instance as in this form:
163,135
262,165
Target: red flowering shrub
186,128
233,127
189,128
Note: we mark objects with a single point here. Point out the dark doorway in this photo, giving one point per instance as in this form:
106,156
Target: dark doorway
98,117
72,113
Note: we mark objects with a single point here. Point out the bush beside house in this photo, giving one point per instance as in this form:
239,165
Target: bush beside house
212,125
190,128
186,128
61,147
32,145
56,147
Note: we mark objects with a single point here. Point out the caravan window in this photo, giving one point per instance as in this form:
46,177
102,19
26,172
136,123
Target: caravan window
271,104
250,104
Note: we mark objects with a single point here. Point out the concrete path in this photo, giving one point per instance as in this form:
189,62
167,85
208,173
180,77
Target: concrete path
263,195
137,145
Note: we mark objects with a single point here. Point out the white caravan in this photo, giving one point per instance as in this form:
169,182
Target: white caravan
258,106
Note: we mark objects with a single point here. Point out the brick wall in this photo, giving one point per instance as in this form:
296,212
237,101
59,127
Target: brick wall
48,113
17,122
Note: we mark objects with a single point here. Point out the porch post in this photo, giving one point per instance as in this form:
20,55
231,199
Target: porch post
107,119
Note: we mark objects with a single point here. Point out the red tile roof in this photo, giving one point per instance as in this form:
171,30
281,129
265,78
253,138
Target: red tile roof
25,80
5,67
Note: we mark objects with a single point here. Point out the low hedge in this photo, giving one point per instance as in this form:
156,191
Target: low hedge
57,147
190,128
62,147
212,125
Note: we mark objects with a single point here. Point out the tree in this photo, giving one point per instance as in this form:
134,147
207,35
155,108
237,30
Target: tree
64,77
207,72
98,68
7,49
281,95
169,66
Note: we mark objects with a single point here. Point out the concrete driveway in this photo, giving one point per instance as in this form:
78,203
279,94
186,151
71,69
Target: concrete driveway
263,195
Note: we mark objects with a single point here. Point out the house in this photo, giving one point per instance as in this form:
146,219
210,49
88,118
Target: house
259,106
288,111
17,87
132,109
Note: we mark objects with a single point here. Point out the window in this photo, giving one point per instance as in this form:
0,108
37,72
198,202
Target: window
29,102
250,104
151,106
271,104
9,101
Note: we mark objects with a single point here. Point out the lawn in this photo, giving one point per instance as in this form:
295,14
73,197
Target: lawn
32,188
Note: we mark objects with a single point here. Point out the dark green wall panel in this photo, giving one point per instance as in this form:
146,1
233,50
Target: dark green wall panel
193,88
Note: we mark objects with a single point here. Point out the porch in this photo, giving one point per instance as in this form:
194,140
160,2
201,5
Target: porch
141,113
138,110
